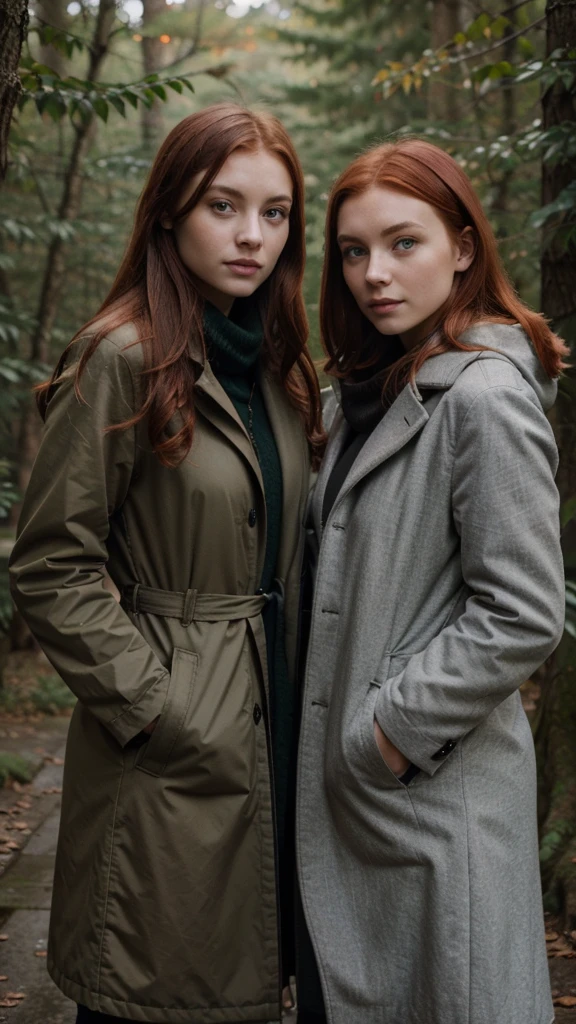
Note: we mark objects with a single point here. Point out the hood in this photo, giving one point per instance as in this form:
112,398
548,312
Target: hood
507,340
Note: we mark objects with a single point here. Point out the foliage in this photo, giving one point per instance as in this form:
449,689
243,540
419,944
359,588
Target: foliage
16,768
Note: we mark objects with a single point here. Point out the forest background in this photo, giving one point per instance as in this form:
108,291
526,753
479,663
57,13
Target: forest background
97,84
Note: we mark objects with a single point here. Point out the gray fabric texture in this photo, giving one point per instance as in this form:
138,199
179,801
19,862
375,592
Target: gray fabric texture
439,590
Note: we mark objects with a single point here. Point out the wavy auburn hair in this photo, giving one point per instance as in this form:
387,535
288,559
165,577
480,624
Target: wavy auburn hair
483,293
154,290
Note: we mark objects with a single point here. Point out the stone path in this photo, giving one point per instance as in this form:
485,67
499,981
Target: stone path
26,881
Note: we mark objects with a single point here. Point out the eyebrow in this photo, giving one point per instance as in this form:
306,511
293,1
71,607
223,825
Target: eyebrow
240,195
401,226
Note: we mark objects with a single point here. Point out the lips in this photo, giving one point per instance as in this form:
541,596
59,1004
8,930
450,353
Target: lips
385,305
244,267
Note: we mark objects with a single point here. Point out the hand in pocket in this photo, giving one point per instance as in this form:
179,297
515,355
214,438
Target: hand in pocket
390,754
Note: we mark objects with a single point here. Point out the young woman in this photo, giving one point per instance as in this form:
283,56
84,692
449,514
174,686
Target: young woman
439,589
180,427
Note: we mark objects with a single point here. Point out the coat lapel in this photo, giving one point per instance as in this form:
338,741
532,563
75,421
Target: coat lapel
402,422
220,411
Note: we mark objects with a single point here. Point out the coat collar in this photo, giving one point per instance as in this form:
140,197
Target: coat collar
402,422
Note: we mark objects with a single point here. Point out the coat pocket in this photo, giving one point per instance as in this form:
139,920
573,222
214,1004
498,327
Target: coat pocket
157,751
370,750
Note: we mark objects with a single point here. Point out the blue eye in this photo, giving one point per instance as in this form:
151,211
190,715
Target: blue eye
405,244
280,214
354,252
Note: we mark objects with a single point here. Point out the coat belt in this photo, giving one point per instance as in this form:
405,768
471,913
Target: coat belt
191,606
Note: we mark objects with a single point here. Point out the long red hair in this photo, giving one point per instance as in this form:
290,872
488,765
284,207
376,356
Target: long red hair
483,294
154,290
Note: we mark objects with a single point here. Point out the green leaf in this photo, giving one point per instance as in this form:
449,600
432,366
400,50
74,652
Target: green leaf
475,31
117,103
525,47
499,26
159,91
131,97
176,84
570,628
567,514
101,107
55,105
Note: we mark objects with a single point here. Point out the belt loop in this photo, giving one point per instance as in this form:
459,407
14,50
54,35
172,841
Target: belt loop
135,600
189,605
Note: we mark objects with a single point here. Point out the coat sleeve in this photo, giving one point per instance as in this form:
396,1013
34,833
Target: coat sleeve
505,508
80,478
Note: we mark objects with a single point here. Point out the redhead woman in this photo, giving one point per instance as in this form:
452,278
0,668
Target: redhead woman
439,589
180,427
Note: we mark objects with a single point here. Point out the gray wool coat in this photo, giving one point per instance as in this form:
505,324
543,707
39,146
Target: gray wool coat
439,589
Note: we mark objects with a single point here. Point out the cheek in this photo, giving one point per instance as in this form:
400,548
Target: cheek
277,239
352,277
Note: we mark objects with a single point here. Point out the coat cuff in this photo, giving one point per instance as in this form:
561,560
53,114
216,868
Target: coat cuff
422,751
135,717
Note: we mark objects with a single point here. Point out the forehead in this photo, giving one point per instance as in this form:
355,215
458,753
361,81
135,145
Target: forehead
379,208
255,172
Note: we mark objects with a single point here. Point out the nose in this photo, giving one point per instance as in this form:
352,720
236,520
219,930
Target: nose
378,272
249,235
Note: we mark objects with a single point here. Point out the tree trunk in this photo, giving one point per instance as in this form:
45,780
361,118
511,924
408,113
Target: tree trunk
442,95
153,58
54,272
508,92
13,28
53,13
556,730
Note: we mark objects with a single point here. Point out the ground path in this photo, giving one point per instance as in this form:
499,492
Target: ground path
28,831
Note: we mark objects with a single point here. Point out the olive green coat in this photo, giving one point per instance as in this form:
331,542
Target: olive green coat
164,904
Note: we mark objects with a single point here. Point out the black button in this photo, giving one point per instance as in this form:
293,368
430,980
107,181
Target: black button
444,751
257,713
260,591
252,517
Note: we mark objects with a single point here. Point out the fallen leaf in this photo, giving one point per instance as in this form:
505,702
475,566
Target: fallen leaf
8,1002
3,977
12,845
21,825
15,995
3,938
565,1001
40,952
550,936
24,804
58,760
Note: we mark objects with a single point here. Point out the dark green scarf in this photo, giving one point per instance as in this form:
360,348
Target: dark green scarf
233,346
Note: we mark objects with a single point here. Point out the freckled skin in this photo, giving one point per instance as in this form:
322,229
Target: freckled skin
415,264
244,215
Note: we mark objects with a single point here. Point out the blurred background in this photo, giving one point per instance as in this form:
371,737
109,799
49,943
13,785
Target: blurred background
88,91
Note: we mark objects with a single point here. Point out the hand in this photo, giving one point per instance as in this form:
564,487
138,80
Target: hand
151,726
390,754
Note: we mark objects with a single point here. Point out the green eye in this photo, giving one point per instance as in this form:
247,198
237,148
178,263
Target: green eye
405,244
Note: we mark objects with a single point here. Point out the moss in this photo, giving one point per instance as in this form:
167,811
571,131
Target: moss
14,767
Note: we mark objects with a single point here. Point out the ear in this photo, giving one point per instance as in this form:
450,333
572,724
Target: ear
166,222
466,249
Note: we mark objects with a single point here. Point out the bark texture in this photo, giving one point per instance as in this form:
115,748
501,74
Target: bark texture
153,59
13,28
555,732
447,20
